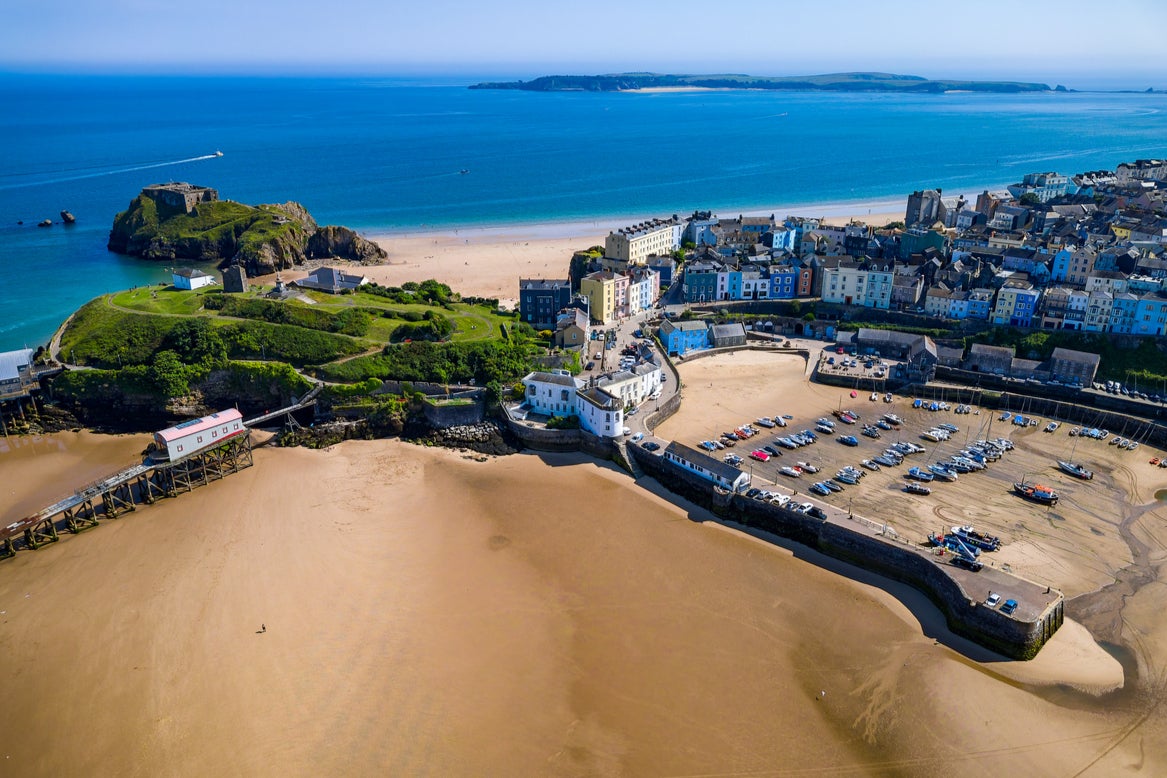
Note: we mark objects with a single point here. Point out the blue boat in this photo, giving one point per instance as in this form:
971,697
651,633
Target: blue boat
917,403
920,474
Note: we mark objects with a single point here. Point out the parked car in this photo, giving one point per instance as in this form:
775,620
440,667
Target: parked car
1009,606
649,445
993,600
638,437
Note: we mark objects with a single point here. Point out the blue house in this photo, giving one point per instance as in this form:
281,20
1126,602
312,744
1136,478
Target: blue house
701,281
665,267
540,299
1060,269
683,336
699,229
783,283
1024,307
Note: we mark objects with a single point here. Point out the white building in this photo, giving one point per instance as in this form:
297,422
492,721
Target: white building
600,407
637,243
845,284
632,387
600,413
724,475
552,394
191,279
193,436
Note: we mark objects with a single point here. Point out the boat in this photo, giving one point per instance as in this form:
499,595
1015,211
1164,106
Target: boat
790,471
887,397
915,488
1037,493
978,539
218,153
874,396
920,474
869,464
942,472
463,171
807,467
1075,470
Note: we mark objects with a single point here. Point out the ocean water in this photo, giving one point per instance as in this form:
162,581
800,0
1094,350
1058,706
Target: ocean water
385,155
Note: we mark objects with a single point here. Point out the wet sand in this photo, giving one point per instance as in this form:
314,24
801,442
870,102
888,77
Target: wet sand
428,614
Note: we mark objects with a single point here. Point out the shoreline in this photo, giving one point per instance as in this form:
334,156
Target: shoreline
833,211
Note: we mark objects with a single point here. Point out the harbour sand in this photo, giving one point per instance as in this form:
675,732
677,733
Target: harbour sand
430,614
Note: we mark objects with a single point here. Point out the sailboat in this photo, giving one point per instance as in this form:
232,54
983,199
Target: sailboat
1074,468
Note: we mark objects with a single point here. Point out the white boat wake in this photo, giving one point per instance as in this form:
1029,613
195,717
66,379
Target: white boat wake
112,172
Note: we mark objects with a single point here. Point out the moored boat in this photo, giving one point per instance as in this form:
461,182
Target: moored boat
915,488
1074,469
942,472
920,474
1037,493
978,539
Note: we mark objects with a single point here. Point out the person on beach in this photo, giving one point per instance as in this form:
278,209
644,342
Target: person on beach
263,628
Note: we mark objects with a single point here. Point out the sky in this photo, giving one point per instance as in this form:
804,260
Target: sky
1081,43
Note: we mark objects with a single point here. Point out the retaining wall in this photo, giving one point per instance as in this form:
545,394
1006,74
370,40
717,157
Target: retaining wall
964,614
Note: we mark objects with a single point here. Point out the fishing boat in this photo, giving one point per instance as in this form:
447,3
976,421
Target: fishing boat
920,474
1075,470
977,539
915,488
1037,493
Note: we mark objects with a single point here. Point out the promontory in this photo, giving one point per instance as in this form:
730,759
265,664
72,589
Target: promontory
186,221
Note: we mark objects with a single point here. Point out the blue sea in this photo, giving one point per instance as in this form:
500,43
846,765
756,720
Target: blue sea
385,155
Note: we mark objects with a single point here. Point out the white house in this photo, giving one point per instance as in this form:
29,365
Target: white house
705,466
600,413
197,434
191,278
551,393
634,386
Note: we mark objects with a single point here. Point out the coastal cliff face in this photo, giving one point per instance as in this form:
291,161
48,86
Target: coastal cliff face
262,238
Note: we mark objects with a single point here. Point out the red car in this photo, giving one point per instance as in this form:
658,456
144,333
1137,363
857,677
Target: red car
761,456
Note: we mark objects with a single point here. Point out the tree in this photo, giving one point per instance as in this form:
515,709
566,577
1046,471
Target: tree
168,374
196,343
1029,199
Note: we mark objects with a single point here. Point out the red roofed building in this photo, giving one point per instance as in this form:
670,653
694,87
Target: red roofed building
195,435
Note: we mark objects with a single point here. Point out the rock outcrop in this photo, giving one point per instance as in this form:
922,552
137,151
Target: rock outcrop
332,241
68,218
263,238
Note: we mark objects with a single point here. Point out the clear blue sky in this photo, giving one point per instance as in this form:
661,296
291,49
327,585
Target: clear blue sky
1082,43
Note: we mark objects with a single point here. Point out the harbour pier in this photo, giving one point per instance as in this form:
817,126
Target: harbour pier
182,458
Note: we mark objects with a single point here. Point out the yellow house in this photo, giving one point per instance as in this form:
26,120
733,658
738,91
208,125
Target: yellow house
1121,232
600,289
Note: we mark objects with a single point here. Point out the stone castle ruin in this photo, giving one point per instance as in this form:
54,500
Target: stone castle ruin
179,197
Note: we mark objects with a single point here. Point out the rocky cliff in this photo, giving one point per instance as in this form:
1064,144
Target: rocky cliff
262,238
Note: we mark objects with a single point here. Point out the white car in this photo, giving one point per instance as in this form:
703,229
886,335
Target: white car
626,431
637,437
992,600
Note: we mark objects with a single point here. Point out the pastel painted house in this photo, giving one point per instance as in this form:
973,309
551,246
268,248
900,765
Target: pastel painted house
681,337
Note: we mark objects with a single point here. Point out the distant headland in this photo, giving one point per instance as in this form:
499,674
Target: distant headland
829,82
185,221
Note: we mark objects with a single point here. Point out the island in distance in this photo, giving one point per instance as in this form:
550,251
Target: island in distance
830,82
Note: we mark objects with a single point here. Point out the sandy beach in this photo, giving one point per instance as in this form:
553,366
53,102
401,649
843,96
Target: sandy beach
533,614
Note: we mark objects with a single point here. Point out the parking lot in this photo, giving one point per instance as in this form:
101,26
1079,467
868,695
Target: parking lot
1063,544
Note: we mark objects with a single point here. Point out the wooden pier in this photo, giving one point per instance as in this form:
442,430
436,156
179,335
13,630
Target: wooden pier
124,491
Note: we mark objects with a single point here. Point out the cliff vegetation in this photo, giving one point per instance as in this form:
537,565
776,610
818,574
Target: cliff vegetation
262,238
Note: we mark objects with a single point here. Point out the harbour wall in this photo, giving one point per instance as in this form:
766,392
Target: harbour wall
867,548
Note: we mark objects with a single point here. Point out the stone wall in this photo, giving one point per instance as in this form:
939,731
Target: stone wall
894,559
441,415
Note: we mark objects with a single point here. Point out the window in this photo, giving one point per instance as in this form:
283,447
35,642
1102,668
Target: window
214,433
200,440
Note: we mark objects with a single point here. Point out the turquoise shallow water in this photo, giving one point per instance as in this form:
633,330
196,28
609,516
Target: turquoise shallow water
383,155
